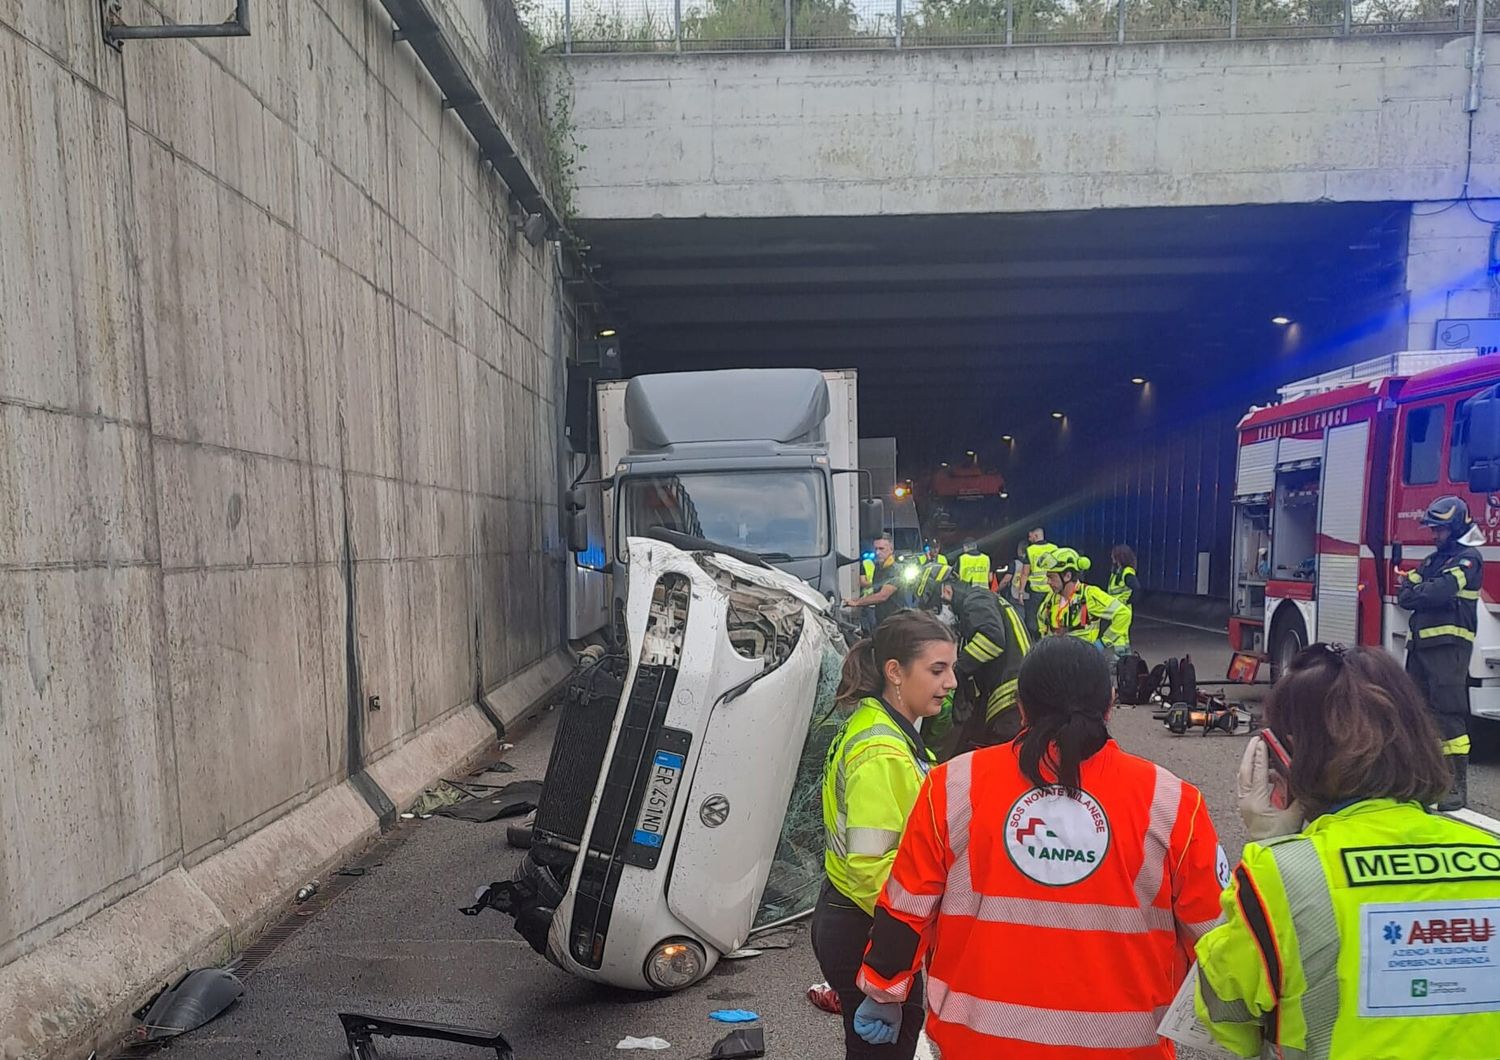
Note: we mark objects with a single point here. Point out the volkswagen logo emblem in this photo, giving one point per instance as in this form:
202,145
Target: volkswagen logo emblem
714,811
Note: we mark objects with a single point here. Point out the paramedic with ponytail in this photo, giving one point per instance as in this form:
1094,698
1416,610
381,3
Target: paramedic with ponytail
875,768
1053,886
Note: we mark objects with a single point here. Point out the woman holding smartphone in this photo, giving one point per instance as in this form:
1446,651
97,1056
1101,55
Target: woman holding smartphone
1360,924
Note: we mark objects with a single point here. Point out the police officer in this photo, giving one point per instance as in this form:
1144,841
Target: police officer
874,770
992,642
1031,578
1370,932
1443,598
974,565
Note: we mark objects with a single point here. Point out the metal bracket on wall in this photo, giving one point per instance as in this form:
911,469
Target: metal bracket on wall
117,32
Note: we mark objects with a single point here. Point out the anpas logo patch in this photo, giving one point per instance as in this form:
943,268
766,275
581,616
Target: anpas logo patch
1056,837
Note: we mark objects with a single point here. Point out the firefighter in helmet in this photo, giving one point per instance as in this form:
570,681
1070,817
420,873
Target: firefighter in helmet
992,641
1443,598
1074,608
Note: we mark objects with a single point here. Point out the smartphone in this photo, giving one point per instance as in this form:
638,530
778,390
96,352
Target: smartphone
1281,770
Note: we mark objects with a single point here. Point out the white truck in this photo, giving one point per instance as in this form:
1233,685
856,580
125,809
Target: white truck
760,459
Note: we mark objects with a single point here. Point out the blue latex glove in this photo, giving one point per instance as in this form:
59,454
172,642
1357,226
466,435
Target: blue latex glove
877,1023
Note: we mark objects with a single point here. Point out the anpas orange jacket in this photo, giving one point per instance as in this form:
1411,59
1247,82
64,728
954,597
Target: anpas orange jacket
1055,923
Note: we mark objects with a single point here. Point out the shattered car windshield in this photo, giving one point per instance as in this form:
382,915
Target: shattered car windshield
782,514
797,870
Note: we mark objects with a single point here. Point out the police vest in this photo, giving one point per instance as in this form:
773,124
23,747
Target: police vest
974,568
1037,581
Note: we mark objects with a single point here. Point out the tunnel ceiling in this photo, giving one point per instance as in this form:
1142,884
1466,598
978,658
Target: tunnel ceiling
968,327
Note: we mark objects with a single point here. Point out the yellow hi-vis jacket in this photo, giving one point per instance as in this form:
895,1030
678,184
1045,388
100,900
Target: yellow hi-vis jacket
870,784
1374,933
1036,580
974,568
1091,614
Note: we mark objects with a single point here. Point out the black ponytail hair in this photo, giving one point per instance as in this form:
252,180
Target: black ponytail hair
1065,695
900,637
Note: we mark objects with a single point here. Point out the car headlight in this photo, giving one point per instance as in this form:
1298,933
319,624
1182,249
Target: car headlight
675,964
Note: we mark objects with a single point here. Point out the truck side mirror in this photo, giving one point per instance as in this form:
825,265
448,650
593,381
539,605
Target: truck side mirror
578,521
871,519
1483,412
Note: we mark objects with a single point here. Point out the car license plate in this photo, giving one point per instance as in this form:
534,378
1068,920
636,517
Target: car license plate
661,793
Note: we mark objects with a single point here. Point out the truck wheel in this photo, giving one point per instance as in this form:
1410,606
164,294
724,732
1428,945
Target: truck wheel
1288,638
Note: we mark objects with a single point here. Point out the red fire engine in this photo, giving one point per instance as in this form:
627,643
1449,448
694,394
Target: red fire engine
1329,485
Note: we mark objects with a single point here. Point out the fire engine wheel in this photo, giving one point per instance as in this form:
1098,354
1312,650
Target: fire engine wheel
1287,639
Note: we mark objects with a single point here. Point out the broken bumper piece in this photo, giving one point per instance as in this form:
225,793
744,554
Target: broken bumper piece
360,1032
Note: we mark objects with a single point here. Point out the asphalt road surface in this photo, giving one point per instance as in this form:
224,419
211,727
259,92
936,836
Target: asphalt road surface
393,942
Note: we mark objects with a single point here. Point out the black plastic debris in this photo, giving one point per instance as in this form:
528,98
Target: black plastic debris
360,1032
189,1003
513,800
743,1044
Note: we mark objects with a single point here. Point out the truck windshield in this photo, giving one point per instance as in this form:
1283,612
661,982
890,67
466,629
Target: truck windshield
777,514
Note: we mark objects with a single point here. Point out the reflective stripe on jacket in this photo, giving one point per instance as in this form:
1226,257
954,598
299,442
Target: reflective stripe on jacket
1443,597
1380,905
1060,925
1122,584
1090,614
1036,581
992,643
870,782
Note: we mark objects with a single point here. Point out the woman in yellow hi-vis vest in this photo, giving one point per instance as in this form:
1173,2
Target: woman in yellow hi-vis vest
1372,931
875,769
1123,583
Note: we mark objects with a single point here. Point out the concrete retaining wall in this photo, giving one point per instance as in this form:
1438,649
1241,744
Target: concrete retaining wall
998,130
277,436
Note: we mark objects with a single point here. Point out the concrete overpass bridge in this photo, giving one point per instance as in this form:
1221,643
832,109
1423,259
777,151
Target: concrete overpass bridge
994,233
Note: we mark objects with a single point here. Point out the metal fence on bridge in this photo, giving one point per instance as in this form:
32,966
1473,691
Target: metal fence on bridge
593,26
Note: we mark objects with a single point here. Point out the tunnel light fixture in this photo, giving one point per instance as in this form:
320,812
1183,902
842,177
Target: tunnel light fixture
943,464
968,452
1007,438
1004,495
1281,322
1057,415
1138,380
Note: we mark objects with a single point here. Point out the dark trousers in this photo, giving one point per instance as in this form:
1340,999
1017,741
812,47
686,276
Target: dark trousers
1442,673
840,931
1033,612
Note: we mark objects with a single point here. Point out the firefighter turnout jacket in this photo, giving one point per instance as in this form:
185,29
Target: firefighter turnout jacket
992,642
1443,597
873,773
1090,614
1060,923
1374,933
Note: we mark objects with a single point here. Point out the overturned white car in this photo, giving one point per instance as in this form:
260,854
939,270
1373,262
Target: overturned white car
681,807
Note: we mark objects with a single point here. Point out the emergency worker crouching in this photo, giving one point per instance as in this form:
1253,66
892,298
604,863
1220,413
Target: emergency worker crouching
992,642
1074,608
1373,931
1443,598
875,768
